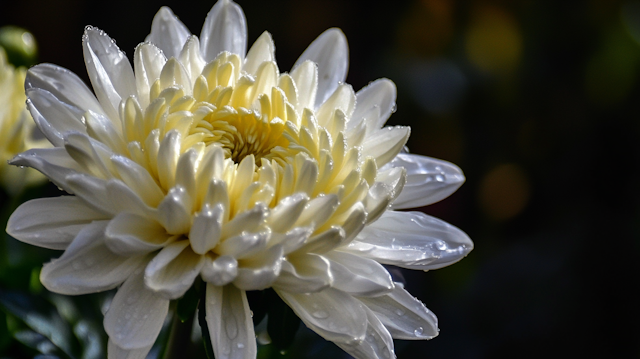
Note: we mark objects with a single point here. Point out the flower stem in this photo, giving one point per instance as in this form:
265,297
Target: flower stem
179,339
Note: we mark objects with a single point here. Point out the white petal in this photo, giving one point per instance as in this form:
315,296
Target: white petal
167,32
381,95
87,265
225,29
115,352
64,85
50,222
285,214
148,61
191,58
130,234
358,276
305,76
429,180
101,128
331,53
109,71
136,314
174,212
172,271
404,316
92,191
385,144
378,344
220,271
334,315
304,273
55,163
412,240
343,99
262,50
261,271
53,117
205,230
138,179
229,321
243,245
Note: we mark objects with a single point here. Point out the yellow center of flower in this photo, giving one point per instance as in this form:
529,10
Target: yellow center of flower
244,117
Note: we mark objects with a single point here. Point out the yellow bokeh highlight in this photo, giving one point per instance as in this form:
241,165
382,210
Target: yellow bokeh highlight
504,192
493,42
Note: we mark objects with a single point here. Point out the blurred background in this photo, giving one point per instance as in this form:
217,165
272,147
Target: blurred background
537,101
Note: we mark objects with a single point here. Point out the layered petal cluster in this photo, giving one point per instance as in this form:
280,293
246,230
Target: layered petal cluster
201,159
17,131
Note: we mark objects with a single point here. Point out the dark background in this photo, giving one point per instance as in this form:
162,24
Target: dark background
537,101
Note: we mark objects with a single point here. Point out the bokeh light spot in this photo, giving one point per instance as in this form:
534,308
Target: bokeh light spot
504,192
493,40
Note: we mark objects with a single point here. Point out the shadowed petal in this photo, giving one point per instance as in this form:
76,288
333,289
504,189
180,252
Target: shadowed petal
51,222
87,266
411,240
167,32
331,53
429,180
136,314
230,324
403,315
225,29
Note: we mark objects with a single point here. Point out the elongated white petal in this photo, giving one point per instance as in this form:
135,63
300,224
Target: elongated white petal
64,85
53,117
129,234
54,163
331,53
87,265
305,76
358,276
206,228
50,222
403,315
167,32
136,314
173,270
378,343
148,61
333,314
304,273
429,180
385,144
230,325
174,212
262,50
380,94
225,29
115,352
412,240
109,70
343,99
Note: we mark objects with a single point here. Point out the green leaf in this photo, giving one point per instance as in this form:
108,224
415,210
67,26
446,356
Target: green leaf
42,318
283,322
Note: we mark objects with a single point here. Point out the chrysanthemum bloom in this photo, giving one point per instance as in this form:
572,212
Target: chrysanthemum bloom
201,160
16,129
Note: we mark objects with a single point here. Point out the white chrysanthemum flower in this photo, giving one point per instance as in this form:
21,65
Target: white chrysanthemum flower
203,161
16,129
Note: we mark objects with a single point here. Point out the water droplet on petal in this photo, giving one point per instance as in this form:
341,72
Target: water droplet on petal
320,314
418,332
